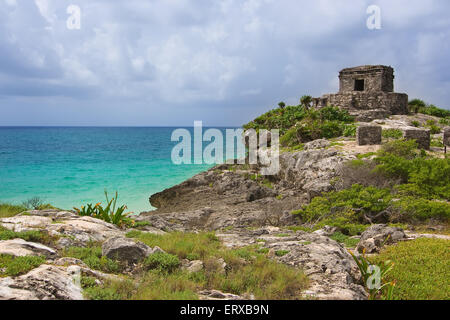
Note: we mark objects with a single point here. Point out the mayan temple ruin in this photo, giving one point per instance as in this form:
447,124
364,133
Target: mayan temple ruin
367,92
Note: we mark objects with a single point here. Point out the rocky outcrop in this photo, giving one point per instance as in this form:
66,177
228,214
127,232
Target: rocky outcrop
312,170
67,225
375,237
332,271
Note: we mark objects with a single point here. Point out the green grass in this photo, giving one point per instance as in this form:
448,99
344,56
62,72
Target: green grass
344,239
392,133
15,266
92,256
31,236
421,269
10,210
248,270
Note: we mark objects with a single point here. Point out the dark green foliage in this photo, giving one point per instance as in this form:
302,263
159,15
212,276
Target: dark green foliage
305,101
298,124
349,204
419,106
281,119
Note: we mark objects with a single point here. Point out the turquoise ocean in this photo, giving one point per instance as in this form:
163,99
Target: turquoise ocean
71,166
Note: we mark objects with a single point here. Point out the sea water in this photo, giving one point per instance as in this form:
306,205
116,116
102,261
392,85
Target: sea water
72,166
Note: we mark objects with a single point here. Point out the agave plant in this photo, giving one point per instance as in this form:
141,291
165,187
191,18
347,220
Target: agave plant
108,213
385,290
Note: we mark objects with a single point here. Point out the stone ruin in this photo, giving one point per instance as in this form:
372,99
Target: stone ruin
422,137
446,139
368,135
367,92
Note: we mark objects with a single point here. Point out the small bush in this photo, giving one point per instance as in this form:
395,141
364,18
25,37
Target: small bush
15,266
392,133
351,203
161,261
33,203
344,239
92,256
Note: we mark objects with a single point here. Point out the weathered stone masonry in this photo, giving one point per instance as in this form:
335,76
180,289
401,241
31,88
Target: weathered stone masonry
367,93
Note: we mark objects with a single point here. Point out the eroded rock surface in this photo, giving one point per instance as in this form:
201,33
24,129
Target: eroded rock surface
375,237
22,248
330,268
46,282
76,229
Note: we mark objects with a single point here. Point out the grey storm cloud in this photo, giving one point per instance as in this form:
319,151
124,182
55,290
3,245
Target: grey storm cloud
170,62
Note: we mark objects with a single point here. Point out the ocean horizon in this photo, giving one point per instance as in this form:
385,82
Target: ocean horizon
70,166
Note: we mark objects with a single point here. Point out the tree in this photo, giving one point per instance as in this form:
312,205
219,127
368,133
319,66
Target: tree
306,101
416,104
282,105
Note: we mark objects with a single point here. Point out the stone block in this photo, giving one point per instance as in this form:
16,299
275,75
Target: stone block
423,137
368,135
447,137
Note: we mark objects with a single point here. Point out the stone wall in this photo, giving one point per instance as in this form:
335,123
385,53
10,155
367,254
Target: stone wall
376,78
367,106
447,137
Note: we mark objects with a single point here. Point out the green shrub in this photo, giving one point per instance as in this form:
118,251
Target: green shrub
344,239
15,266
350,203
418,209
428,178
281,253
415,105
92,256
308,124
162,261
392,133
435,111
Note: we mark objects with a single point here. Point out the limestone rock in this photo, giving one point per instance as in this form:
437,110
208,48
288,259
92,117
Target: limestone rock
46,282
192,266
62,223
332,271
125,250
218,295
22,248
373,239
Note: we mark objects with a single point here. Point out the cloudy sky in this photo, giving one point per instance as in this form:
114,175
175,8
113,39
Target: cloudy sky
170,62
